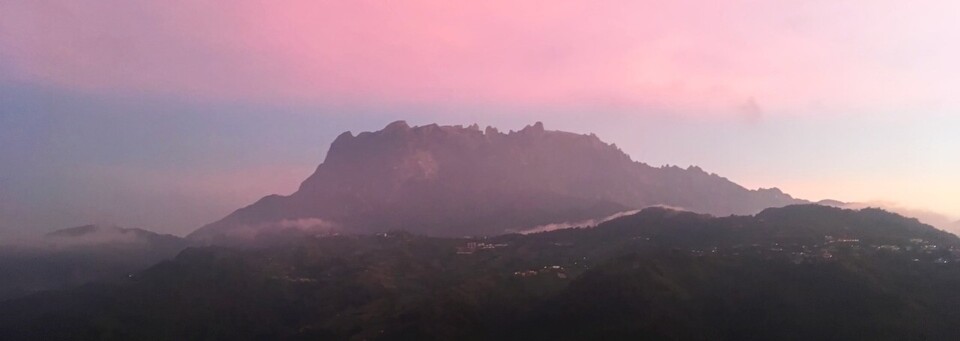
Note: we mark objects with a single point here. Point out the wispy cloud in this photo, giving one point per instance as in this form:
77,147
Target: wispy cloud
572,224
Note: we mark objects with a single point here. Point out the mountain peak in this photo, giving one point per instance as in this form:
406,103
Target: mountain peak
399,125
456,180
533,128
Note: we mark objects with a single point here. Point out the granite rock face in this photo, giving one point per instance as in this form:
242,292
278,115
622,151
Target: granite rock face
456,181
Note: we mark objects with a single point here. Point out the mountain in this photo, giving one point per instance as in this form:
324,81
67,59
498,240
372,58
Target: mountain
78,255
799,272
114,236
456,181
935,219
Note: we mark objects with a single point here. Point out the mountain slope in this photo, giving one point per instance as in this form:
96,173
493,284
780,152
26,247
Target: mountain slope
935,219
455,181
799,272
78,255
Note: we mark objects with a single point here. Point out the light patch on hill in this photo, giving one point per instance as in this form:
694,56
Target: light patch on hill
582,223
311,225
95,235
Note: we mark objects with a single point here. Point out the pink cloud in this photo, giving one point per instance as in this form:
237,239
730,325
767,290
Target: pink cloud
686,54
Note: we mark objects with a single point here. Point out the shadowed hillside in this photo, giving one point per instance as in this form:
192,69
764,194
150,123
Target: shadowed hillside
799,272
78,255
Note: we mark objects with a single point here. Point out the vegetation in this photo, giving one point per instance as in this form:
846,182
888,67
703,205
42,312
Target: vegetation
78,255
801,273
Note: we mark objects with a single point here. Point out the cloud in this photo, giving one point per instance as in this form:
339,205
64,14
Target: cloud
310,225
582,223
679,54
100,235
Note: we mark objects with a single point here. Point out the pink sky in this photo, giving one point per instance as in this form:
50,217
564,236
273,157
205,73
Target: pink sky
704,56
852,100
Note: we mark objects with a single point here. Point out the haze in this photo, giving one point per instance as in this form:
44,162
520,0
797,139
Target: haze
171,115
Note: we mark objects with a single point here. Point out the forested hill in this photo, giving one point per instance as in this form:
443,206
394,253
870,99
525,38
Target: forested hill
799,272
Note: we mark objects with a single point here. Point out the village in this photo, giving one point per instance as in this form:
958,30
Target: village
916,249
830,249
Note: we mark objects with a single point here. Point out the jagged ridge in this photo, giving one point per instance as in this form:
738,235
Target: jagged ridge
455,180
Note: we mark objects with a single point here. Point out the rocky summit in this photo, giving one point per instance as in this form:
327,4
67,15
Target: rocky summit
456,181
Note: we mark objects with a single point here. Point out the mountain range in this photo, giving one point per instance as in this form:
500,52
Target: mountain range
459,181
452,232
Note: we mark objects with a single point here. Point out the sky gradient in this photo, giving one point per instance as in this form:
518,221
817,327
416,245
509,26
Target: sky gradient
168,115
